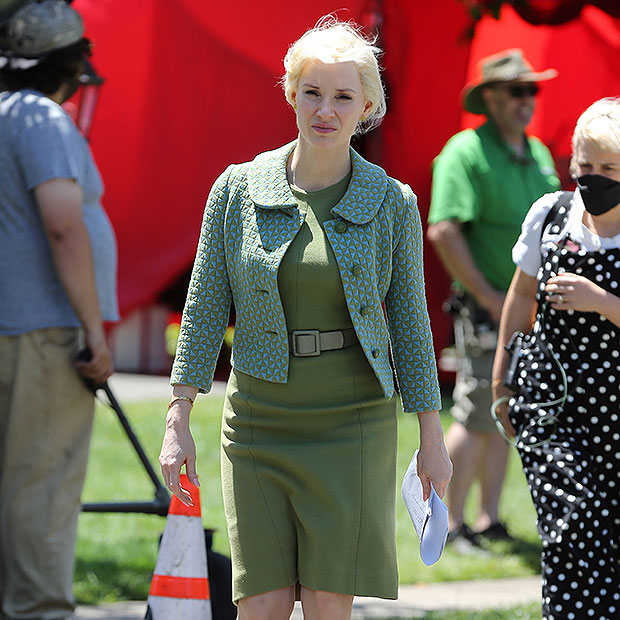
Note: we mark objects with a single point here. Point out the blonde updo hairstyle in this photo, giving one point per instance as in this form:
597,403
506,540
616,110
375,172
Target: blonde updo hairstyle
331,41
599,125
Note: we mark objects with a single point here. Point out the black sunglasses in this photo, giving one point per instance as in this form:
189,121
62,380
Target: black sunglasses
518,91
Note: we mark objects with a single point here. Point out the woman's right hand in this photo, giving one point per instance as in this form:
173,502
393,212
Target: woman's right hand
517,316
178,449
501,410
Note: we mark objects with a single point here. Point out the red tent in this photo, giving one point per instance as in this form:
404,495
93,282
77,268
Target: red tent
193,86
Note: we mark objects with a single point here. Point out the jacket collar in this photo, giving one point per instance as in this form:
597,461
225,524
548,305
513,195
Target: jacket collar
268,186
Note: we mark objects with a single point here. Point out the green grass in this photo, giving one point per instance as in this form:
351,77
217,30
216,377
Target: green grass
505,560
116,553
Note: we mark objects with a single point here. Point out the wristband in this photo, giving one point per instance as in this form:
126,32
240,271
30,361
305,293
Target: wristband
175,398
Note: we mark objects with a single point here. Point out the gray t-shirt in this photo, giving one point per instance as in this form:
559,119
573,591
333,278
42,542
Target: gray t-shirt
39,142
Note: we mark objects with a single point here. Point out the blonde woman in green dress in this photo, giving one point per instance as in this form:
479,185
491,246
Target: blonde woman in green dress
321,253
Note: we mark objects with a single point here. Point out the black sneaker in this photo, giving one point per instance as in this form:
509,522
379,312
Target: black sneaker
496,531
463,540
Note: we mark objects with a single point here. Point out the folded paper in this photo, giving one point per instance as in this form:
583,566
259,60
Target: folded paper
430,517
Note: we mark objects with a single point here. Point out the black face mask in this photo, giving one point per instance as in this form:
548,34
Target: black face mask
599,193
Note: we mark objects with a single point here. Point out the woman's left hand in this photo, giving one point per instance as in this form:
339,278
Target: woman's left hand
434,465
178,449
568,291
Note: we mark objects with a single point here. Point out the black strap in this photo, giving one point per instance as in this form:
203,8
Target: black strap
563,201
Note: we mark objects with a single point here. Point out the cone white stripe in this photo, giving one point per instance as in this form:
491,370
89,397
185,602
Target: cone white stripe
164,608
178,548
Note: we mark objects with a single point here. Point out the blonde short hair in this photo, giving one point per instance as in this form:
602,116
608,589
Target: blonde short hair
331,41
600,126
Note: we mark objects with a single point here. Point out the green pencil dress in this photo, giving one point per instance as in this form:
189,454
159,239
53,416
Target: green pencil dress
309,466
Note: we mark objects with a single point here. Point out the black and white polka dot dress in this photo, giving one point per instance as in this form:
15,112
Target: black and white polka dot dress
570,447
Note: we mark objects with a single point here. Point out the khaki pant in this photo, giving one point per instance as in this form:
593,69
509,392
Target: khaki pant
46,417
472,395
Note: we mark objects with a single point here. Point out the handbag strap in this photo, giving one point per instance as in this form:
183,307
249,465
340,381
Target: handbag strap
563,201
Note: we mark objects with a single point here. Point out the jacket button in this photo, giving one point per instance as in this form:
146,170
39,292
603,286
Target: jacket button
375,353
365,310
340,227
357,270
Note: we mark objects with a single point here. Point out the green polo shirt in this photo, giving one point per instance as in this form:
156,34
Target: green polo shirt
481,182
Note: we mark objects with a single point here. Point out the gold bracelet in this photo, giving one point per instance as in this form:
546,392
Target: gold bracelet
496,382
175,398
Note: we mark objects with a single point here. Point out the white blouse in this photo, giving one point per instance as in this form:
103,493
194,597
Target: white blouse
526,253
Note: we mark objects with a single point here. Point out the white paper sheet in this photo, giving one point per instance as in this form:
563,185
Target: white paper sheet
430,517
419,510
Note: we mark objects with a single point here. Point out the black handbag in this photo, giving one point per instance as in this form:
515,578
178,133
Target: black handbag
514,348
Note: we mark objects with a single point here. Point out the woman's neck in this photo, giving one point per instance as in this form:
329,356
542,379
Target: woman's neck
605,225
313,170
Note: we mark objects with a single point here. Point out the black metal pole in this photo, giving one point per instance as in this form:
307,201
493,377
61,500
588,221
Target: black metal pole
162,498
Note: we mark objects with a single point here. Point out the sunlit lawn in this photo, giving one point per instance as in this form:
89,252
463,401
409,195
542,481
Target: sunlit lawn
117,552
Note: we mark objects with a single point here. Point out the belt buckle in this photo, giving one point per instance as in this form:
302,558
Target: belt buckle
311,333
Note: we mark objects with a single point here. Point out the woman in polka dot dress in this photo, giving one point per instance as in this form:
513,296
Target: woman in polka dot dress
564,417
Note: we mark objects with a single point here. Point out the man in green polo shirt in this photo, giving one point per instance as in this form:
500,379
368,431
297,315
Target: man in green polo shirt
484,182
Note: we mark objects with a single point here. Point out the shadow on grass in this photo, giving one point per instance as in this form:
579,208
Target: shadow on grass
107,580
528,551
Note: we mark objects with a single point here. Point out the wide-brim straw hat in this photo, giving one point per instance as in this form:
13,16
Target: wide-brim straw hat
506,66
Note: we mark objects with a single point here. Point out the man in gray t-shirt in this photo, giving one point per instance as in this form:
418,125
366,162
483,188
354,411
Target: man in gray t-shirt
57,287
42,148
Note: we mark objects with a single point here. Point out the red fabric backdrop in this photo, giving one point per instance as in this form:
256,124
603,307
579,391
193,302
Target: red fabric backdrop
192,86
560,11
189,89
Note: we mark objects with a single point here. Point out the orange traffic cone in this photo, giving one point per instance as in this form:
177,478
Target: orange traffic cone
180,586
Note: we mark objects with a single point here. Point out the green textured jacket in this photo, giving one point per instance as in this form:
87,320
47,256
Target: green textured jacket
250,219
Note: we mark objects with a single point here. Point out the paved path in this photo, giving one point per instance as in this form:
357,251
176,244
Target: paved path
413,601
131,388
